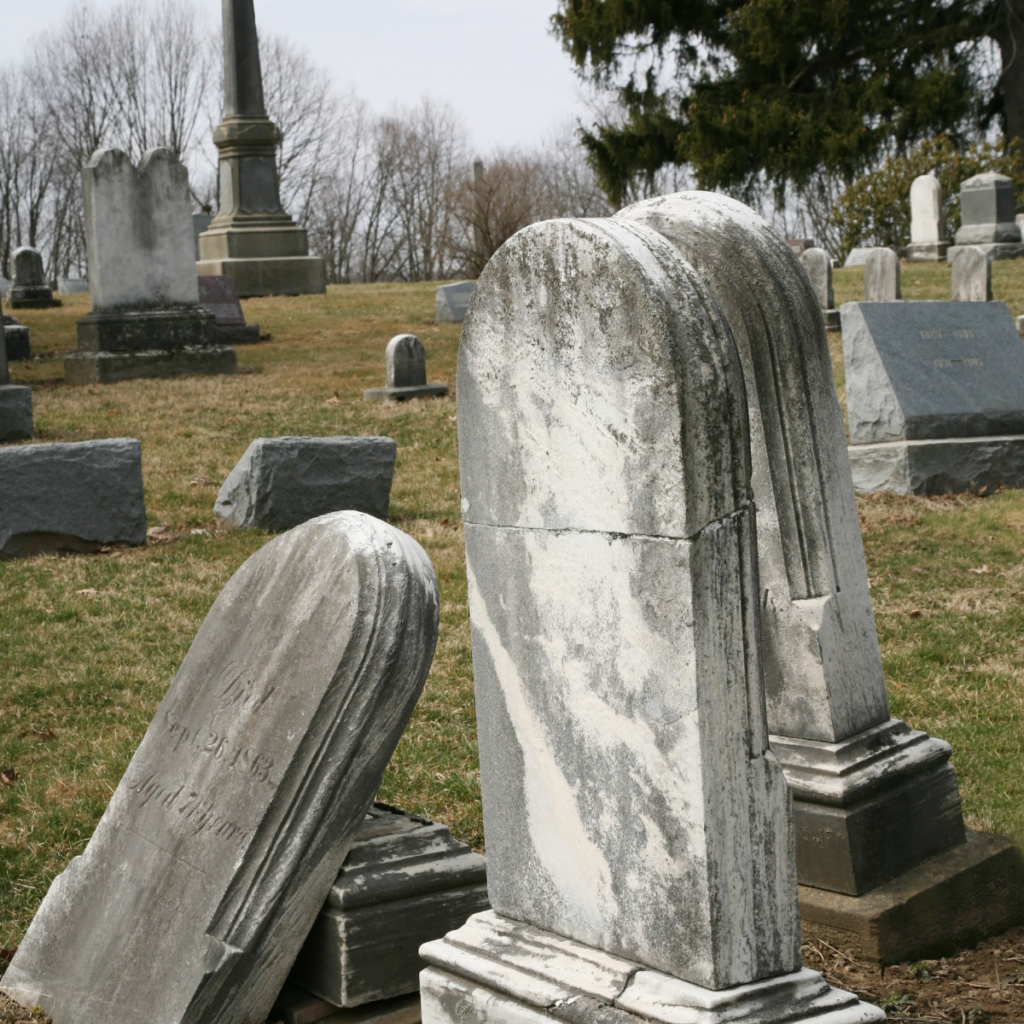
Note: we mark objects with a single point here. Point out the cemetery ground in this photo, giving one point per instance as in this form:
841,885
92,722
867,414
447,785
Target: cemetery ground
90,643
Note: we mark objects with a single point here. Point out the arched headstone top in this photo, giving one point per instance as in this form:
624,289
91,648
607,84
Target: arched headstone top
405,362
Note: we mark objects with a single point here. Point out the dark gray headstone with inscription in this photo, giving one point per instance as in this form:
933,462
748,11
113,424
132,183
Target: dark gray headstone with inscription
922,372
226,833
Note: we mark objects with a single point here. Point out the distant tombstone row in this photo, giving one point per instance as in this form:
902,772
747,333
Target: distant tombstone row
405,367
146,320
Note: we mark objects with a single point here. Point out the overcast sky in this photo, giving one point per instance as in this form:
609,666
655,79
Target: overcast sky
495,61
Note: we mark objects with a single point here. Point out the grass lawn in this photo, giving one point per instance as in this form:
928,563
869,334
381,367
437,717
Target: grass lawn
90,643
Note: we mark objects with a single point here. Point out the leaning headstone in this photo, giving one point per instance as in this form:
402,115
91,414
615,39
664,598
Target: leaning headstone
611,557
857,257
29,289
17,339
927,221
818,265
405,881
15,411
987,217
225,835
452,301
282,481
146,320
935,396
971,277
405,368
882,276
78,496
217,295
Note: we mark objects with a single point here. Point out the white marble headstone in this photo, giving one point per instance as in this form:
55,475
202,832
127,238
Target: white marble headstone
926,219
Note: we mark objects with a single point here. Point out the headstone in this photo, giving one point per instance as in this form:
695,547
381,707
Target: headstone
222,840
611,559
15,410
405,881
935,396
29,289
146,320
928,242
818,265
452,301
72,285
882,276
217,295
857,257
281,482
17,339
800,245
987,217
971,277
405,366
78,496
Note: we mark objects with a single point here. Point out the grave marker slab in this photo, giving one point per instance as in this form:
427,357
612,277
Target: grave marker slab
818,265
927,221
222,840
987,217
15,407
17,339
882,276
217,295
405,365
935,395
971,277
29,289
452,301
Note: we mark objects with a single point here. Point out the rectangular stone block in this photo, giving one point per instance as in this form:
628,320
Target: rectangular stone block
294,1006
222,840
71,497
271,275
145,330
110,367
452,301
15,415
406,881
217,295
282,481
17,342
917,370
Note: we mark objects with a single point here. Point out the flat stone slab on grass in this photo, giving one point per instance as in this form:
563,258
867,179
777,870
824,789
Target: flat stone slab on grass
15,415
223,839
452,301
282,481
71,497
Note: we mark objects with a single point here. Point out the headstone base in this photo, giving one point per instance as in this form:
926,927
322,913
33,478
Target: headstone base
993,250
145,330
31,297
946,904
870,807
832,320
274,275
404,394
110,367
237,334
15,413
294,1006
926,252
17,342
495,969
941,466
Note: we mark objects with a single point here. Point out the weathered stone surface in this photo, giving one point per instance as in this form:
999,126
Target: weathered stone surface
882,276
405,365
222,840
948,903
987,211
71,497
145,330
17,339
818,265
15,414
857,257
110,367
452,301
928,242
602,464
29,289
217,295
138,231
405,881
971,278
922,370
282,481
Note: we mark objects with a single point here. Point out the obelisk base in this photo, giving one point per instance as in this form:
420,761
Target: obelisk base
110,367
494,969
270,275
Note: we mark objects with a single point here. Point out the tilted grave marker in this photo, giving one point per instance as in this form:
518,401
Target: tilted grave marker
223,839
217,295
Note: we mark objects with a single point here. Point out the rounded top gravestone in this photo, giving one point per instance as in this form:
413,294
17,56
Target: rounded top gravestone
405,362
28,268
926,219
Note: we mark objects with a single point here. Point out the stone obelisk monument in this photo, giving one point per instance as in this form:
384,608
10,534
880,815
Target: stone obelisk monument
252,239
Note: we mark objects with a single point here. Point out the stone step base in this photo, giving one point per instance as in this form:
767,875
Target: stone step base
404,394
282,275
15,413
110,367
941,466
950,902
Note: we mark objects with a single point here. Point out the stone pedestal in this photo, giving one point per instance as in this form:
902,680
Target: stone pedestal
927,252
15,413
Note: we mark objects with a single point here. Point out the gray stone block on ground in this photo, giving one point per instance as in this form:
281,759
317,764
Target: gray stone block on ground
282,481
405,368
15,416
217,295
223,839
111,367
29,289
405,881
882,276
71,497
987,210
971,275
452,301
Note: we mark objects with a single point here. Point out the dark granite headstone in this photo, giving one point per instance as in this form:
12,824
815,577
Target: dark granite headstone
217,294
953,369
17,339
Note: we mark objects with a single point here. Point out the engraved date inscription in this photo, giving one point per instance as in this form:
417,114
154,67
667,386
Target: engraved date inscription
200,813
218,745
944,364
